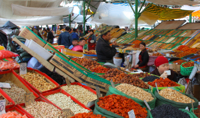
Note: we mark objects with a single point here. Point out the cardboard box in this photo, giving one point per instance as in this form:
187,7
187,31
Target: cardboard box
51,48
29,34
78,74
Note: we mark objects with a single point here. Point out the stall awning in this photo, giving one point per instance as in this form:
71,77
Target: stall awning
175,2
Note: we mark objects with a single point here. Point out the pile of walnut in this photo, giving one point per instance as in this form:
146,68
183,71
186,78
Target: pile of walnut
81,94
135,92
87,63
174,95
38,81
43,110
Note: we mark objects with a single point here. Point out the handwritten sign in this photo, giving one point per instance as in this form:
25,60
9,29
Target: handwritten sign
98,92
89,104
5,85
2,106
67,82
131,114
157,88
29,98
145,102
67,113
112,83
23,68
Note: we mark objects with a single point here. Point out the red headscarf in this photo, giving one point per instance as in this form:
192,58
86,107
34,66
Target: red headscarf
160,60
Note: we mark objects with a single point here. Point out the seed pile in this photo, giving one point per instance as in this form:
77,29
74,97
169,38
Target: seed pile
168,111
15,93
65,102
135,92
43,110
38,81
174,95
81,94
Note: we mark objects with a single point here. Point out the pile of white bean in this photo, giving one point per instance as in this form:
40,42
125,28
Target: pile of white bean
43,110
81,94
65,102
15,93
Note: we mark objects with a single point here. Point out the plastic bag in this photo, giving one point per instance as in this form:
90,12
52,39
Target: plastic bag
8,63
7,54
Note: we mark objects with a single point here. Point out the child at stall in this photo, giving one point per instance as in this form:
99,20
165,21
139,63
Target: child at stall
74,43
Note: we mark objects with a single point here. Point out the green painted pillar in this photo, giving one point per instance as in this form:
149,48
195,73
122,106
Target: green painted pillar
84,17
136,18
70,20
190,18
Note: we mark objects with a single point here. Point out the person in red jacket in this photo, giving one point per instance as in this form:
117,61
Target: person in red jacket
91,41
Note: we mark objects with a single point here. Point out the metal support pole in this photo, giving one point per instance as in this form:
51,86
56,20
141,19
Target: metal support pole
90,16
190,18
84,17
136,18
69,20
75,18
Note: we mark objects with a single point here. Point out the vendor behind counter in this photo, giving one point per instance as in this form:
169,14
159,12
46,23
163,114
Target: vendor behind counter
162,65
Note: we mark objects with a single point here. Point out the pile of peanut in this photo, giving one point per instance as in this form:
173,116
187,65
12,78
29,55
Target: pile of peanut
38,81
81,94
43,110
174,95
15,93
135,92
65,102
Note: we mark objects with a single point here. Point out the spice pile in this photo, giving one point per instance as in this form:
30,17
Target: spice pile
38,81
149,78
65,102
121,105
43,110
185,50
163,83
174,95
81,94
179,62
168,111
135,92
12,114
88,115
100,69
15,93
197,113
130,79
87,63
7,102
188,64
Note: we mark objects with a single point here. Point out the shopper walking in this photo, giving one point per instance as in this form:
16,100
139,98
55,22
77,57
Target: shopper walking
65,38
74,35
50,36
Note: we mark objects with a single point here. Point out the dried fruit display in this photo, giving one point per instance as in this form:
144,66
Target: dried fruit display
114,74
197,113
198,59
40,82
135,92
88,115
197,56
157,54
130,79
136,43
163,83
188,64
100,69
179,62
174,95
150,78
87,63
168,111
12,114
121,105
142,75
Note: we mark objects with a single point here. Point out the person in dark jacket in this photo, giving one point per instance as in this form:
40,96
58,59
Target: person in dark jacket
91,40
162,65
143,58
50,36
65,38
105,52
74,34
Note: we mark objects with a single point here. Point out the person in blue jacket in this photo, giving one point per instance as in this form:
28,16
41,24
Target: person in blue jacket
74,35
65,38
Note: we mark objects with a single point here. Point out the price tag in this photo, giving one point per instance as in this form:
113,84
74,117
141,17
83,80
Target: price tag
67,82
98,92
67,113
187,109
23,68
157,88
150,87
131,114
89,104
145,102
112,83
2,106
5,85
29,98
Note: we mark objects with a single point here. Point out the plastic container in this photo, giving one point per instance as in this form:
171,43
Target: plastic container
186,71
38,49
16,71
60,48
117,61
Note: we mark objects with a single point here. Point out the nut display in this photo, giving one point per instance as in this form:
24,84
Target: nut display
38,81
174,95
87,63
15,93
81,94
65,102
142,75
43,110
114,74
121,105
188,64
135,92
163,83
88,115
